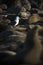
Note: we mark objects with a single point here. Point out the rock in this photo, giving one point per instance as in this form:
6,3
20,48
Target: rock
41,5
3,6
34,18
1,18
26,4
17,3
7,21
8,52
1,10
24,14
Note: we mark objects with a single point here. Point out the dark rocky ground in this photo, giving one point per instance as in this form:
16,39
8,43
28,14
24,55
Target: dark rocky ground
21,44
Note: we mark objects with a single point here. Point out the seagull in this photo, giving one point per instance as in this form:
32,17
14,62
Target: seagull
17,20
